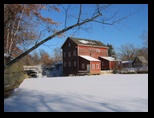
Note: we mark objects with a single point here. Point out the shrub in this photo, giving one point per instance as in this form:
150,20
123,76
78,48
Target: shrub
13,77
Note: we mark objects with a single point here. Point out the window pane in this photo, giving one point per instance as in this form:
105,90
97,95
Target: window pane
83,66
74,63
93,66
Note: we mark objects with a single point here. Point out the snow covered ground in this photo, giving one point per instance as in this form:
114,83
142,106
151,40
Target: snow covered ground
101,93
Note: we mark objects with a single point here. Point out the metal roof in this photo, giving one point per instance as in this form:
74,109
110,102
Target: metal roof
82,41
109,58
89,58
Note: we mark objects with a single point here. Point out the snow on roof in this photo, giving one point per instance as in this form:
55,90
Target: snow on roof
89,58
110,58
127,62
86,42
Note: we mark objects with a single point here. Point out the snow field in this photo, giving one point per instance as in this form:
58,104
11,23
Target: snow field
101,93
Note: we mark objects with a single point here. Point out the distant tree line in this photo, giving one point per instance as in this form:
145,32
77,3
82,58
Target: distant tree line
129,51
42,57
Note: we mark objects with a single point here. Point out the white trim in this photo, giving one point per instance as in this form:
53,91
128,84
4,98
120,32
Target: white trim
89,58
97,66
93,66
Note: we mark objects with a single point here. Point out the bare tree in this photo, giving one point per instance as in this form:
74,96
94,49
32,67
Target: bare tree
45,58
144,38
57,55
144,50
128,51
79,19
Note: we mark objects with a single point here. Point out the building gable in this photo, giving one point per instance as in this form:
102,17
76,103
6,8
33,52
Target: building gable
66,43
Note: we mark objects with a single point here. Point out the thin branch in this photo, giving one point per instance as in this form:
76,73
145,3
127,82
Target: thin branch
66,14
111,23
39,36
80,11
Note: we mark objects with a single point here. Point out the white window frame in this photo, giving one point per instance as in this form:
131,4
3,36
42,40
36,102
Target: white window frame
93,66
97,66
98,50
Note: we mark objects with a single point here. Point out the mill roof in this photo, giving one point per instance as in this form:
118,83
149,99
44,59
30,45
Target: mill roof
86,42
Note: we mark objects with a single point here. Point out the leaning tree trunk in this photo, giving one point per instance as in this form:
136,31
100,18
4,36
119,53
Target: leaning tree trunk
47,39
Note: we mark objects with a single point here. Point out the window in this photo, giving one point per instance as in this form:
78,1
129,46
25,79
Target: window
64,54
74,63
74,53
83,66
64,64
69,44
97,66
93,66
69,64
69,54
97,50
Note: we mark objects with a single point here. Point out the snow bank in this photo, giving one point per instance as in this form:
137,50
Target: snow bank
102,93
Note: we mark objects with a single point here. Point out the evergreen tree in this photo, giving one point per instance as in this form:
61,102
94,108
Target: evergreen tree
111,51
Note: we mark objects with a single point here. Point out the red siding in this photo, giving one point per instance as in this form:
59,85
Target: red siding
83,50
112,65
95,70
92,51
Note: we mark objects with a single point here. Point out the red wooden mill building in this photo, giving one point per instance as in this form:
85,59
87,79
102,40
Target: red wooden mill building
85,56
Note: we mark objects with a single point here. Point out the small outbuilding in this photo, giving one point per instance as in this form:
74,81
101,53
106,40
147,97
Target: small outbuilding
127,64
140,61
89,65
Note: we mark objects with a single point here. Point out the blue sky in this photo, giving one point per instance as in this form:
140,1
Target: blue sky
128,31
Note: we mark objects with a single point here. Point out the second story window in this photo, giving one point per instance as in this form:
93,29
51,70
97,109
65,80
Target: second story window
69,54
64,54
74,52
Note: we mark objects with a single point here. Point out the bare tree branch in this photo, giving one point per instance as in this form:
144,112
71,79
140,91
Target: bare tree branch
66,14
47,39
80,11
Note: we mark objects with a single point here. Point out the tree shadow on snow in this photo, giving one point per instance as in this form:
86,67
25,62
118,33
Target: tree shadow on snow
34,101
